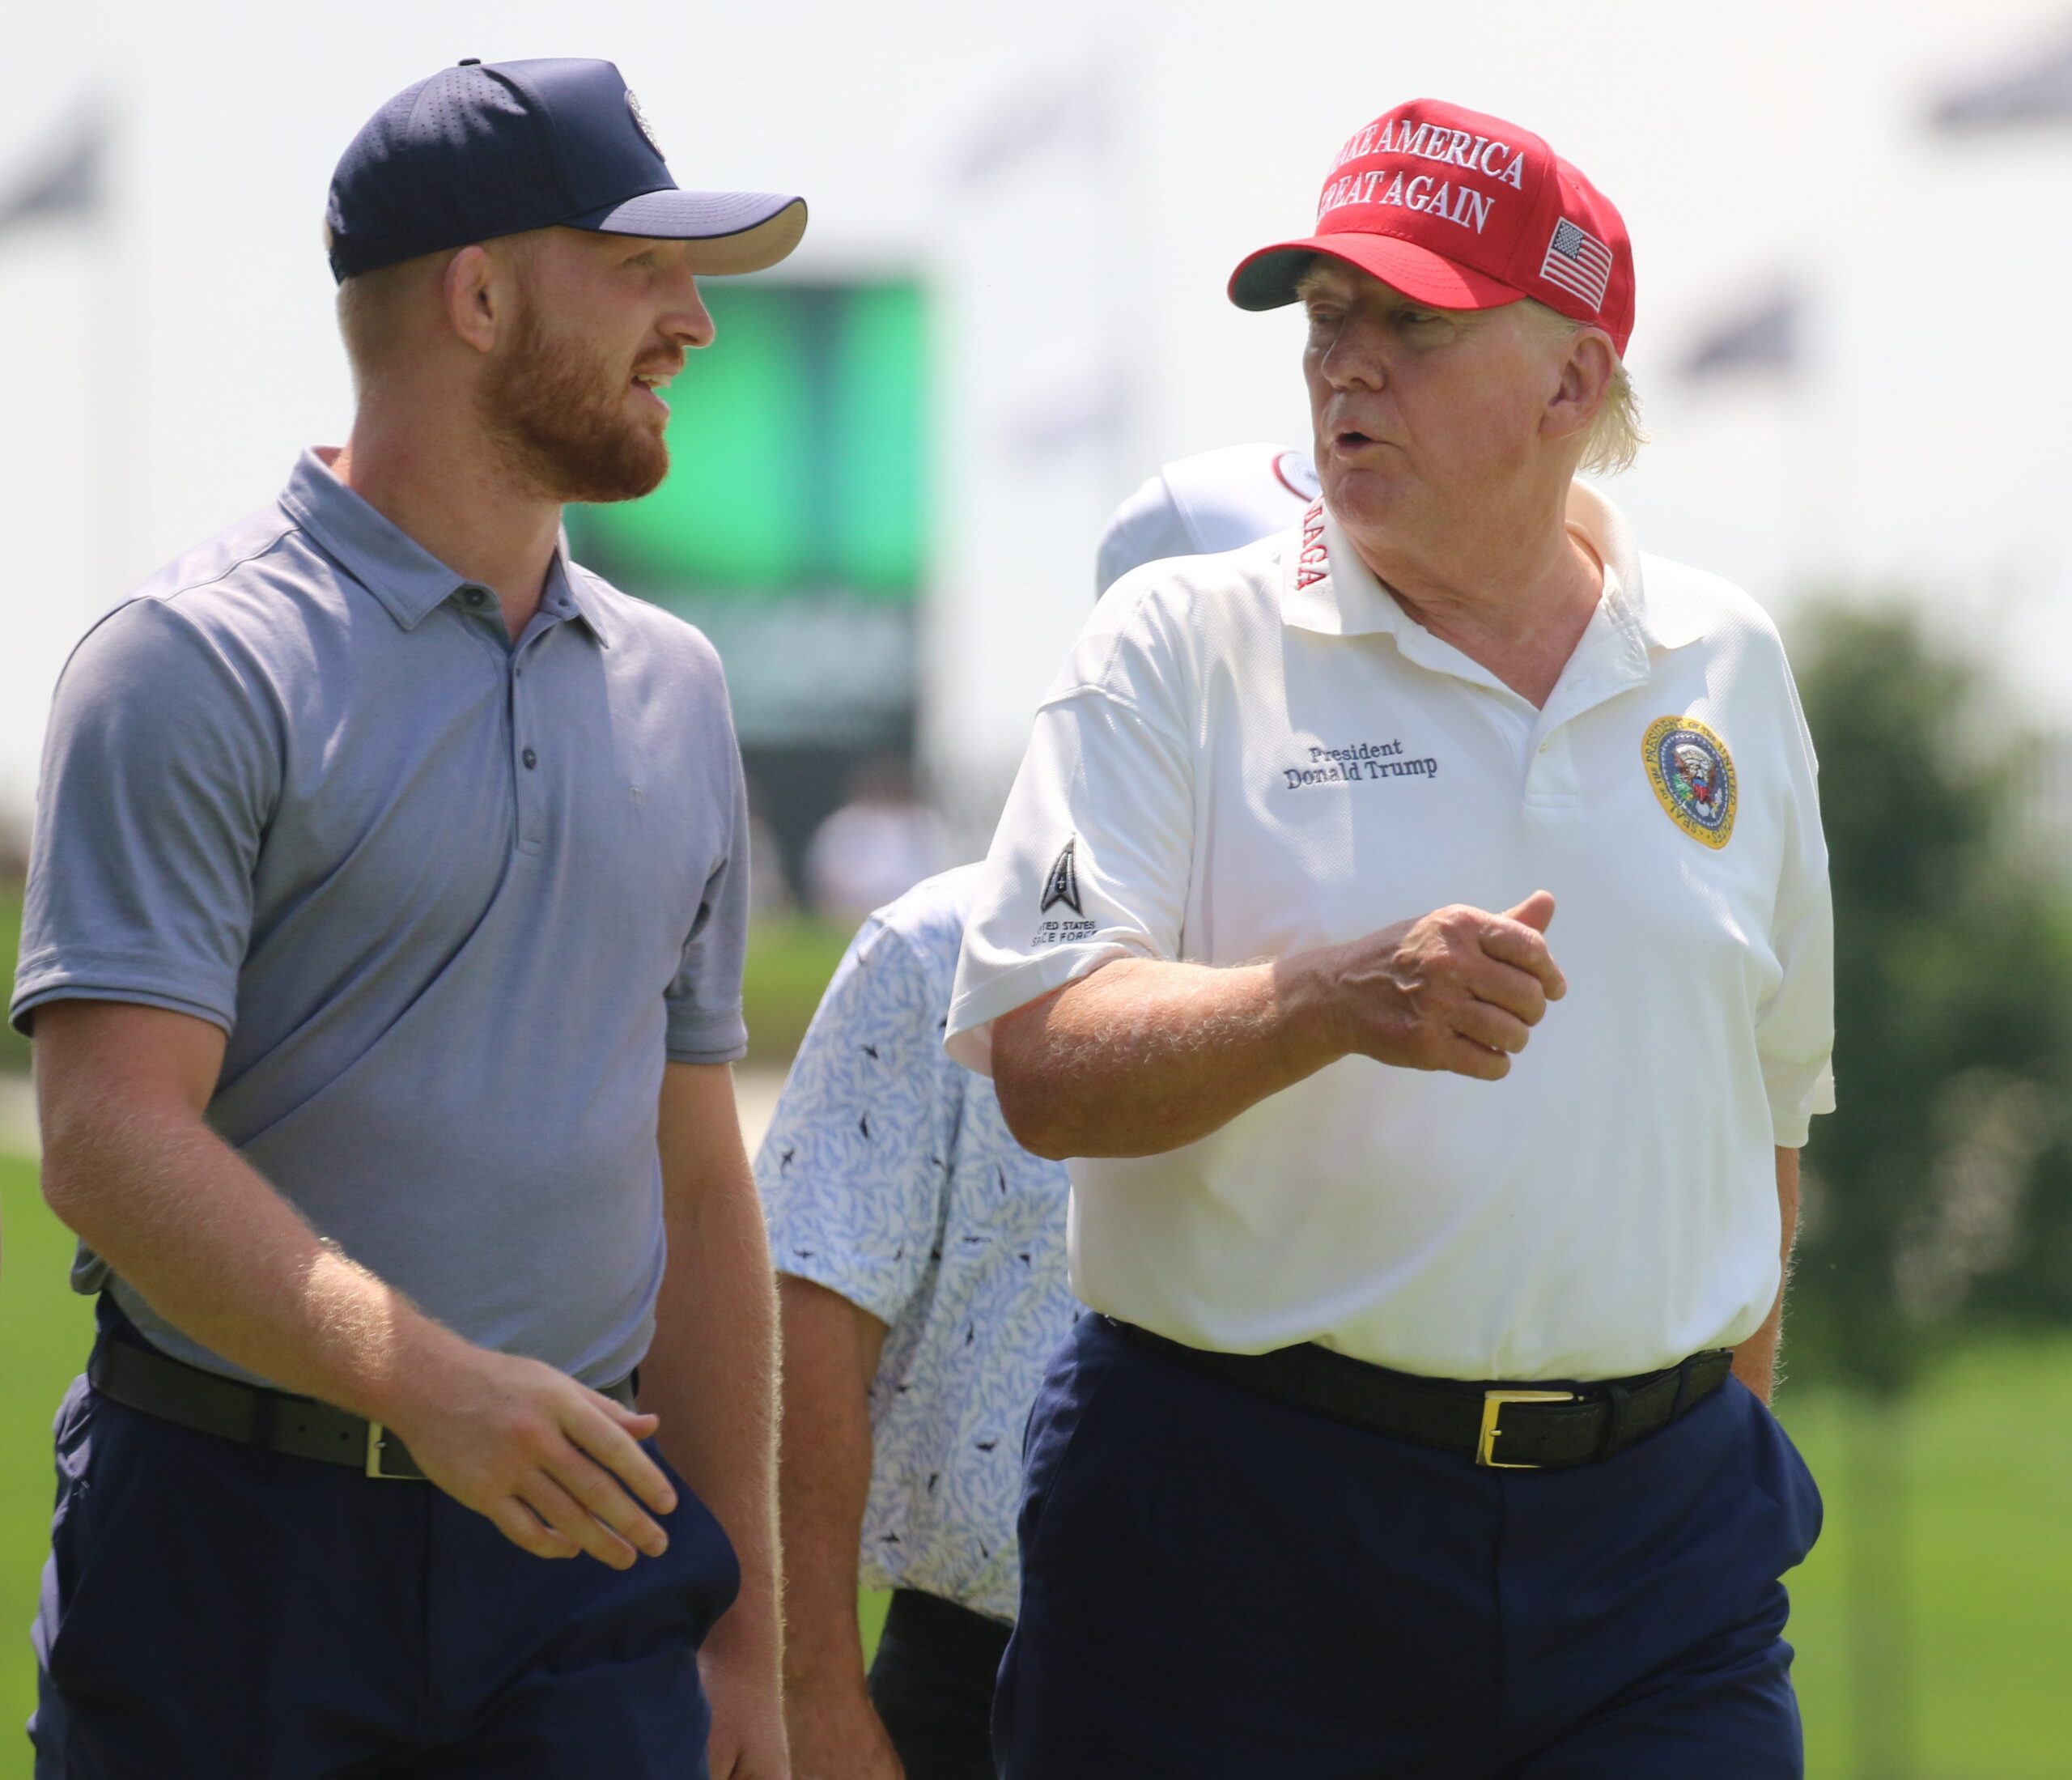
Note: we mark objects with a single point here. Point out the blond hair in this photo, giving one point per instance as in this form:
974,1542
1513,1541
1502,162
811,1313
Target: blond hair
1615,437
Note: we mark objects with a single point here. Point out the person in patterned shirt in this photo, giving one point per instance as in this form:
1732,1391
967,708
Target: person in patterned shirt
921,1263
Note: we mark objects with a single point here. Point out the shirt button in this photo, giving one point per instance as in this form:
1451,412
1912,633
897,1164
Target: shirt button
474,596
530,759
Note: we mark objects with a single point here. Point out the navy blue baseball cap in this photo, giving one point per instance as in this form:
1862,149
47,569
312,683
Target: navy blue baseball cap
489,149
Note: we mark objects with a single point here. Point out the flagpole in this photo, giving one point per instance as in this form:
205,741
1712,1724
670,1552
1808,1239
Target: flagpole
119,315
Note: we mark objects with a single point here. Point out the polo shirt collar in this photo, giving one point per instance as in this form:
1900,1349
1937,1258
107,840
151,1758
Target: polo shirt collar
408,580
1327,586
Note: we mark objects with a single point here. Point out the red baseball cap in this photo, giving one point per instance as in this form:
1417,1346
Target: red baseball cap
1462,211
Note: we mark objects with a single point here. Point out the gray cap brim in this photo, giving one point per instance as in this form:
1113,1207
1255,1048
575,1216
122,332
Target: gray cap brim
738,231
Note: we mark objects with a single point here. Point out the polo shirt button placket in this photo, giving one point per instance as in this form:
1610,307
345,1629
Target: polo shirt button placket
532,820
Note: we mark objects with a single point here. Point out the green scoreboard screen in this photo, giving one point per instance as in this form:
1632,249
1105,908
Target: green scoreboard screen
793,527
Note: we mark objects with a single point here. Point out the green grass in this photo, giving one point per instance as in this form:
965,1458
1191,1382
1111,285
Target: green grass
787,967
1989,1541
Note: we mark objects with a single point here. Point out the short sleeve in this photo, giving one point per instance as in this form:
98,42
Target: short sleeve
855,1167
1094,851
1795,1027
704,1003
161,769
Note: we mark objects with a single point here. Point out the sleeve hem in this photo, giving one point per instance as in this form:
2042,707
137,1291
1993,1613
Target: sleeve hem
969,1039
732,1052
831,1276
60,985
1795,1100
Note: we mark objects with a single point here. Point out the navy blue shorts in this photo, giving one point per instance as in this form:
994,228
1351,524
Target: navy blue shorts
1217,1584
210,1611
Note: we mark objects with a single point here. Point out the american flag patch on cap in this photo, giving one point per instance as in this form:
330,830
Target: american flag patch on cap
1579,262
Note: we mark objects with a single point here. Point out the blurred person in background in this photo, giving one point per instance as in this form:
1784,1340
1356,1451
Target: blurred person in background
1202,505
1423,1426
920,1253
770,897
384,962
881,843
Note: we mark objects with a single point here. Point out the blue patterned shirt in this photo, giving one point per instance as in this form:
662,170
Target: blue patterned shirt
889,1176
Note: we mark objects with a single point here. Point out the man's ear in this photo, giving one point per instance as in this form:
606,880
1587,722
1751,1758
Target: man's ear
476,294
1585,377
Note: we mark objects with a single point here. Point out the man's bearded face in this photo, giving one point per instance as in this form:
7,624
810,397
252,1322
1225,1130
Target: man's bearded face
564,408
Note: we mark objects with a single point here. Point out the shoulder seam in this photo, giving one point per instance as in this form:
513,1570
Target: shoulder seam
224,574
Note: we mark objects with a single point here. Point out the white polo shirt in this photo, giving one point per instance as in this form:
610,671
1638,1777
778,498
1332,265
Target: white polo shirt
1251,754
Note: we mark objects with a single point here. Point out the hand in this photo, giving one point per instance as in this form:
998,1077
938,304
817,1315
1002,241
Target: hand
837,1735
1459,989
548,1460
740,1676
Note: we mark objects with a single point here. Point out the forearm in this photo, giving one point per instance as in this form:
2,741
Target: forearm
710,1372
1143,1055
185,1220
823,1483
1756,1359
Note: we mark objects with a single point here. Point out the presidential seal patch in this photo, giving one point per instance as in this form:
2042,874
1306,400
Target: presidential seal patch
1693,775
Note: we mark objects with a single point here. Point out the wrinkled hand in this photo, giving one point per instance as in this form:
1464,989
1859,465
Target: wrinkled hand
1459,989
837,1735
747,1741
550,1462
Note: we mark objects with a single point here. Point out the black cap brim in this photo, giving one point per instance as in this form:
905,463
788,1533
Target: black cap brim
738,231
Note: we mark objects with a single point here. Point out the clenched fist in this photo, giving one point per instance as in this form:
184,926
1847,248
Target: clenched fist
1458,989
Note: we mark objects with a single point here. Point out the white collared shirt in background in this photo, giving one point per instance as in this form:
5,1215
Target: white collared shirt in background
1213,500
1252,754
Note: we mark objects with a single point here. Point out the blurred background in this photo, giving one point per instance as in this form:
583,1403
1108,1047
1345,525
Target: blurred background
1854,227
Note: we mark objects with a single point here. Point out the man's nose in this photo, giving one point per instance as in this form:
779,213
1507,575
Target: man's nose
1354,360
687,320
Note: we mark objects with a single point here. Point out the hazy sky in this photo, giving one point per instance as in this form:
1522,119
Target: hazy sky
155,384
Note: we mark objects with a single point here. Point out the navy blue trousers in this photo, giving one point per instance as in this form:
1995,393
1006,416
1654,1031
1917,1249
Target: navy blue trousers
210,1611
1217,1584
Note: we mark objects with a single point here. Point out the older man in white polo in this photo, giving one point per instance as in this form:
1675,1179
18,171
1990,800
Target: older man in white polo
1423,1429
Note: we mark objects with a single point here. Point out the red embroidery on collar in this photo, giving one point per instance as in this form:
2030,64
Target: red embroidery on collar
1314,565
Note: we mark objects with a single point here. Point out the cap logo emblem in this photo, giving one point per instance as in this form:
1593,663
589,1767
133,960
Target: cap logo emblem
1694,778
640,122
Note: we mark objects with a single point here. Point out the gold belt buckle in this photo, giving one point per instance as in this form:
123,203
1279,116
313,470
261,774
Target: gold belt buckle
1492,1409
377,1439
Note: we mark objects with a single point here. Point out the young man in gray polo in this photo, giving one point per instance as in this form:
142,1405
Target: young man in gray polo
383,954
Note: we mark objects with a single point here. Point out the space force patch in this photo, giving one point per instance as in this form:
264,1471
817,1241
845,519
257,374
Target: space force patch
1694,778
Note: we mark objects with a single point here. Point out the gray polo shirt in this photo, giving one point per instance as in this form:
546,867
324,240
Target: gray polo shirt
454,901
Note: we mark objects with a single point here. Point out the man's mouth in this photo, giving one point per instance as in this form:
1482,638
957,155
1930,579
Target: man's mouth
652,382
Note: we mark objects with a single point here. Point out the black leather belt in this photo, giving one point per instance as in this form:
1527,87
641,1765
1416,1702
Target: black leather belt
141,1377
1506,1427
